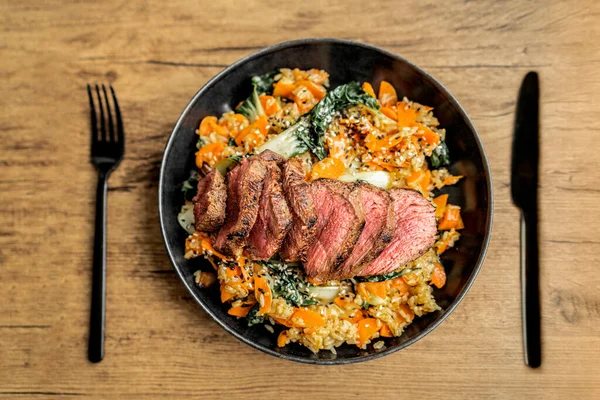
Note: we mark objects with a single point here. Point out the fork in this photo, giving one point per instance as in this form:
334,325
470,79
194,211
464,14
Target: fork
106,153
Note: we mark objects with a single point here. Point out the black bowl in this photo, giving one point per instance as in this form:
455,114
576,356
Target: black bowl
345,61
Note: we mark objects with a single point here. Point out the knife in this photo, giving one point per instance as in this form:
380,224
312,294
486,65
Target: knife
524,182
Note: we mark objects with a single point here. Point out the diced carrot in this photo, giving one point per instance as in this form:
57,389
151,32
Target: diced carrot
304,318
209,124
366,329
432,138
206,244
240,311
406,116
256,128
269,104
378,141
368,88
388,112
361,289
459,225
419,180
304,99
234,123
209,153
451,180
400,285
329,167
235,271
358,315
206,125
438,276
299,74
282,339
207,279
442,248
405,313
262,292
281,89
387,94
317,90
385,331
451,218
440,204
225,295
340,302
378,289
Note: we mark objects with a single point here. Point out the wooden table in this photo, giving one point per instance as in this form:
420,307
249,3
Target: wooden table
157,54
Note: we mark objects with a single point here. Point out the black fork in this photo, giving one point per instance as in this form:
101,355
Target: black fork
108,146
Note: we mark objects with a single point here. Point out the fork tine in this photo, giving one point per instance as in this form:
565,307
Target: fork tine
120,130
102,121
111,129
94,122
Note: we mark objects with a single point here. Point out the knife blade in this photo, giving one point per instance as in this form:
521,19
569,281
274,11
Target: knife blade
524,190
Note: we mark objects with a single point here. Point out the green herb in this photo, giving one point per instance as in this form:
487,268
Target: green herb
251,107
200,143
386,277
264,83
365,304
440,156
190,186
253,317
232,142
288,283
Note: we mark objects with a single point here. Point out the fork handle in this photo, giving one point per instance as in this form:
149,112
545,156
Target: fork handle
98,309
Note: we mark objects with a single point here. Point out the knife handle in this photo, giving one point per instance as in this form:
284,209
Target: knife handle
530,292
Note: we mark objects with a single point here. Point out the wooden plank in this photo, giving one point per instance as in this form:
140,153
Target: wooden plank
157,54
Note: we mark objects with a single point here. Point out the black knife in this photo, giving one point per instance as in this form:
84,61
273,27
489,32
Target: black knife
524,189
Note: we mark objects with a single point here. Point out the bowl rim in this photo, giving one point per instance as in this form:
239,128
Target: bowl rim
361,358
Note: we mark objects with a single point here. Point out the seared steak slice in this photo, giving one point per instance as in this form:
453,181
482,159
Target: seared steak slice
304,215
274,217
339,225
414,234
269,155
377,233
244,187
210,202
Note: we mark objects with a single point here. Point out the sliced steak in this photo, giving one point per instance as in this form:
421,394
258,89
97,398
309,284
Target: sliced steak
210,202
340,222
377,233
274,217
244,188
414,234
304,215
269,155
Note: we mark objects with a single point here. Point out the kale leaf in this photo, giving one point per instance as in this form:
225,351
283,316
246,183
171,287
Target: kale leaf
289,285
264,83
190,186
440,157
386,277
253,317
323,112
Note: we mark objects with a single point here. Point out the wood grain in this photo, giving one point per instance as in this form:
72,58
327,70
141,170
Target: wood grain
157,54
